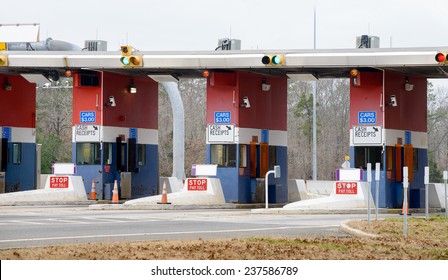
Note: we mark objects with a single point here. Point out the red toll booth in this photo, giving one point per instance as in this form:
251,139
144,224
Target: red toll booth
247,134
388,121
115,136
18,133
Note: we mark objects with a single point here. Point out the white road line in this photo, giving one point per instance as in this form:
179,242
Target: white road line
159,233
90,220
67,221
103,220
24,222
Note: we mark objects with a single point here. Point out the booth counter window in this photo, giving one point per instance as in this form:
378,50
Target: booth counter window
224,155
364,155
88,153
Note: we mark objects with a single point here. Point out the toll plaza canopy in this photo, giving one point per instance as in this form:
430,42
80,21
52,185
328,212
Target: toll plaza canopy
318,63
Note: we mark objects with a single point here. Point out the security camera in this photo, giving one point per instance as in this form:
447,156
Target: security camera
112,101
265,86
246,102
393,101
408,86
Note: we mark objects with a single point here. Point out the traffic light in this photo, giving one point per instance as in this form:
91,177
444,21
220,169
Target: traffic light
3,60
442,57
273,59
128,59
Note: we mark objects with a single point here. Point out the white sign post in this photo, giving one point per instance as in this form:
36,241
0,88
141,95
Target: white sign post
426,192
276,173
405,200
377,185
369,180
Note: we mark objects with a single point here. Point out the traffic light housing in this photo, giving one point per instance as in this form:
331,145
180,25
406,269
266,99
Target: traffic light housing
128,59
442,57
273,60
3,60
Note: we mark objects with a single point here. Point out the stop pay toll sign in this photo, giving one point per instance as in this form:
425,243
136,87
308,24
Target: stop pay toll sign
197,184
346,188
59,182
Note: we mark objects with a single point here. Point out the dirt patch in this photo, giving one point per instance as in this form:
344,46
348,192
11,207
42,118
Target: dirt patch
425,240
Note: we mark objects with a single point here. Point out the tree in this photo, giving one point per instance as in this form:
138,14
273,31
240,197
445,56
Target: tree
54,123
437,131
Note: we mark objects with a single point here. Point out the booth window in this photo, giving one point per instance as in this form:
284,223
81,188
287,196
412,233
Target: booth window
224,155
88,153
107,153
243,155
364,155
16,153
141,154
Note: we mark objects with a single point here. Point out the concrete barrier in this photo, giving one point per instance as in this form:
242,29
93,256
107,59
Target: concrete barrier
435,195
303,189
172,184
196,191
57,188
344,195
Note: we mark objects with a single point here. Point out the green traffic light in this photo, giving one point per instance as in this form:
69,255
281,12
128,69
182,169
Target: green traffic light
276,60
125,60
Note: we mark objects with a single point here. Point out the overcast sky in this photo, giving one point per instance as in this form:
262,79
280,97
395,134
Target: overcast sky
260,24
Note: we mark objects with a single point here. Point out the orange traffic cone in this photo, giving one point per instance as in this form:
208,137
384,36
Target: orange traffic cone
93,191
405,211
164,195
115,193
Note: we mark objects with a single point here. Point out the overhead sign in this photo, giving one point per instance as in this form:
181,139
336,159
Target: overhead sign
59,182
346,188
87,133
222,117
87,117
367,134
366,117
221,133
196,184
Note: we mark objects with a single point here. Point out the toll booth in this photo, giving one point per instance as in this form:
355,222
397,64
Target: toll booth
18,133
247,133
115,136
388,124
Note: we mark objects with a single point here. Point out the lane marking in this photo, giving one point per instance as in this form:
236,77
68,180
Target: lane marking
90,220
161,233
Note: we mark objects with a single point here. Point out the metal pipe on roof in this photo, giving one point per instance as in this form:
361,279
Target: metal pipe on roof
48,45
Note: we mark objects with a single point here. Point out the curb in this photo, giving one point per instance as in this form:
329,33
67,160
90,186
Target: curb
356,232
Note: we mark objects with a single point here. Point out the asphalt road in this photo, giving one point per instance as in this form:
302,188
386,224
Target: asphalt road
26,226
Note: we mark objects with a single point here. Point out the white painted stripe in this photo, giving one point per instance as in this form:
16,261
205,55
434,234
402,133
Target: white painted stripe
90,220
276,137
24,222
110,133
148,136
22,134
161,233
418,139
244,136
